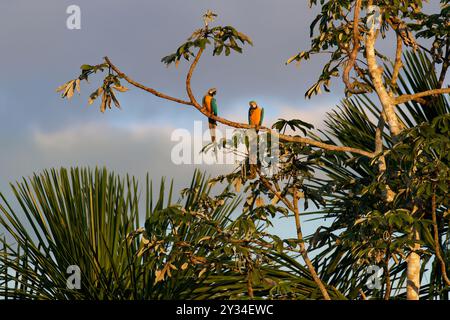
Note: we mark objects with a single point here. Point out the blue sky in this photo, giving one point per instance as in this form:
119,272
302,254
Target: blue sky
38,53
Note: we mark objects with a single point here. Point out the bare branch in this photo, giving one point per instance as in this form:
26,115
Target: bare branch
319,144
398,61
354,54
379,134
445,64
145,88
250,286
303,250
188,80
437,245
408,97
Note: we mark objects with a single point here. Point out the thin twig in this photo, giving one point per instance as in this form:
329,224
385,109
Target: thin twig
145,88
437,245
294,208
354,53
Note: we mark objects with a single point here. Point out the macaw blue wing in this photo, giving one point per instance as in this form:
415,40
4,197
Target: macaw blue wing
214,106
262,117
249,116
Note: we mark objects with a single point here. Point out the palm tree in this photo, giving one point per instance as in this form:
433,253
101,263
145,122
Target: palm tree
197,247
90,218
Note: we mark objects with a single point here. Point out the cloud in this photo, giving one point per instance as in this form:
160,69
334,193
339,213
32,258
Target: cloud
314,115
135,148
39,130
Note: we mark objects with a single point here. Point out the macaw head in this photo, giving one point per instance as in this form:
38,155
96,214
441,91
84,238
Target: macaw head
253,104
212,91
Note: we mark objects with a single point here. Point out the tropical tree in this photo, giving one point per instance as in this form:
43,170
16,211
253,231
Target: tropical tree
347,31
369,231
191,248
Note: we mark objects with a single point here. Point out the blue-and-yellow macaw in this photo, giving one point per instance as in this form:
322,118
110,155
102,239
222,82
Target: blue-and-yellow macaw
255,118
255,115
210,104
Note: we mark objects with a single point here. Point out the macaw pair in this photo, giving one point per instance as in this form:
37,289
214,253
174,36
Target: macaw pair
255,113
255,118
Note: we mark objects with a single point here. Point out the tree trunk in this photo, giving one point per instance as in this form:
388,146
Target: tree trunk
376,75
388,104
413,272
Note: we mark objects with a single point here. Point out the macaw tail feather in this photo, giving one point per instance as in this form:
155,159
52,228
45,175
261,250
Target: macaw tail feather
212,131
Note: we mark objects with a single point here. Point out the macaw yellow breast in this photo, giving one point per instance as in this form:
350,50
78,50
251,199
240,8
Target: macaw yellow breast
207,103
255,116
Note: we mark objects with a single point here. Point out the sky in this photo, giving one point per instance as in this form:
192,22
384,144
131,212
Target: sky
38,53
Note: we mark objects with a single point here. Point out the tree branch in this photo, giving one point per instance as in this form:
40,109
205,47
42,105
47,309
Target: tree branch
269,186
294,208
379,133
319,144
408,97
388,193
376,74
188,80
437,245
386,270
250,286
237,125
363,295
398,61
145,88
445,64
303,250
354,54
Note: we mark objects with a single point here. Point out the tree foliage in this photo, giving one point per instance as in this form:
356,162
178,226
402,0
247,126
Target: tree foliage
91,219
379,171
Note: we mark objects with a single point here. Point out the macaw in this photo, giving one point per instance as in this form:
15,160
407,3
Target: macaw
210,104
255,115
255,118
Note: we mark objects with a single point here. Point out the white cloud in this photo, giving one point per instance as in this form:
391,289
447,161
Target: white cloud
135,148
314,115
